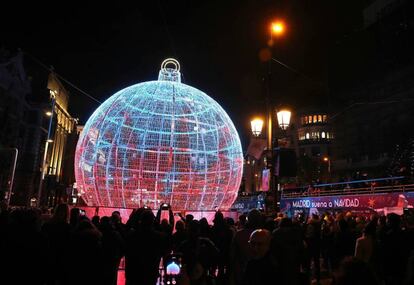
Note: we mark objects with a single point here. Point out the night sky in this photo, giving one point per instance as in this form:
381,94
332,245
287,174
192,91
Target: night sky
102,48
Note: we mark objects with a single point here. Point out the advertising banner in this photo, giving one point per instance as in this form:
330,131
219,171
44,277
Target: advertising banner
380,202
265,179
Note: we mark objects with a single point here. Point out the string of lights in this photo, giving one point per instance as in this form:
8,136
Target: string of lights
369,103
51,69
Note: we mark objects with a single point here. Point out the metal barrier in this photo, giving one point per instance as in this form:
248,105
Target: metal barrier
125,213
350,191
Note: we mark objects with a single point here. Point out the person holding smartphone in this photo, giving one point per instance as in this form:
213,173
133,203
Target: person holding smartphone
165,212
164,221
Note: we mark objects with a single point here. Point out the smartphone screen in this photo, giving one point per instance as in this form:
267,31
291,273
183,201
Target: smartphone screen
165,214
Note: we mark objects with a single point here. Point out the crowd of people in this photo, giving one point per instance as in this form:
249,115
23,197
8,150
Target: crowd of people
67,247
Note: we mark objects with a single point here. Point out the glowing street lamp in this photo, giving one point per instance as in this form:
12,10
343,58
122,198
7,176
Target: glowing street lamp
283,118
326,159
278,28
257,126
48,113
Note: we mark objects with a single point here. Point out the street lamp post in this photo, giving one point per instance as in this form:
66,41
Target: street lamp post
283,120
16,153
277,29
328,160
10,180
49,140
256,127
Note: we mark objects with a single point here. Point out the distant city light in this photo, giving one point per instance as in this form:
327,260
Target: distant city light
173,268
278,28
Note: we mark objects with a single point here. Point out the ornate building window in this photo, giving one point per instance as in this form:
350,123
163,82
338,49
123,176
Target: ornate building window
302,136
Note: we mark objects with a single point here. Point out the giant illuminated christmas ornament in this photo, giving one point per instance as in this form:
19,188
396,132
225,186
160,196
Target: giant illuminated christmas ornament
159,142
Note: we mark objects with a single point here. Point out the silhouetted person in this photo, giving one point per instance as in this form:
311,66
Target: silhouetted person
270,224
116,220
188,218
343,242
382,229
353,271
240,250
262,268
231,224
242,222
327,240
58,231
24,250
366,245
96,221
395,251
85,262
409,238
74,217
199,255
222,236
313,241
165,225
144,250
205,229
4,217
288,249
179,236
112,251
134,219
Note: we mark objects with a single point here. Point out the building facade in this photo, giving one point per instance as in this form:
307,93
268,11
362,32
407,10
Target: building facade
24,130
59,146
314,134
21,131
374,133
311,136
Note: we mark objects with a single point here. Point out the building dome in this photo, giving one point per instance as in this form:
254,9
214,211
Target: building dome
159,142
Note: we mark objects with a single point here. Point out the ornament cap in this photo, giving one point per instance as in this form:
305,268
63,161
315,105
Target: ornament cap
168,73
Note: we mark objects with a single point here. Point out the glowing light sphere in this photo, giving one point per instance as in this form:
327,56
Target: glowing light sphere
173,269
159,142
